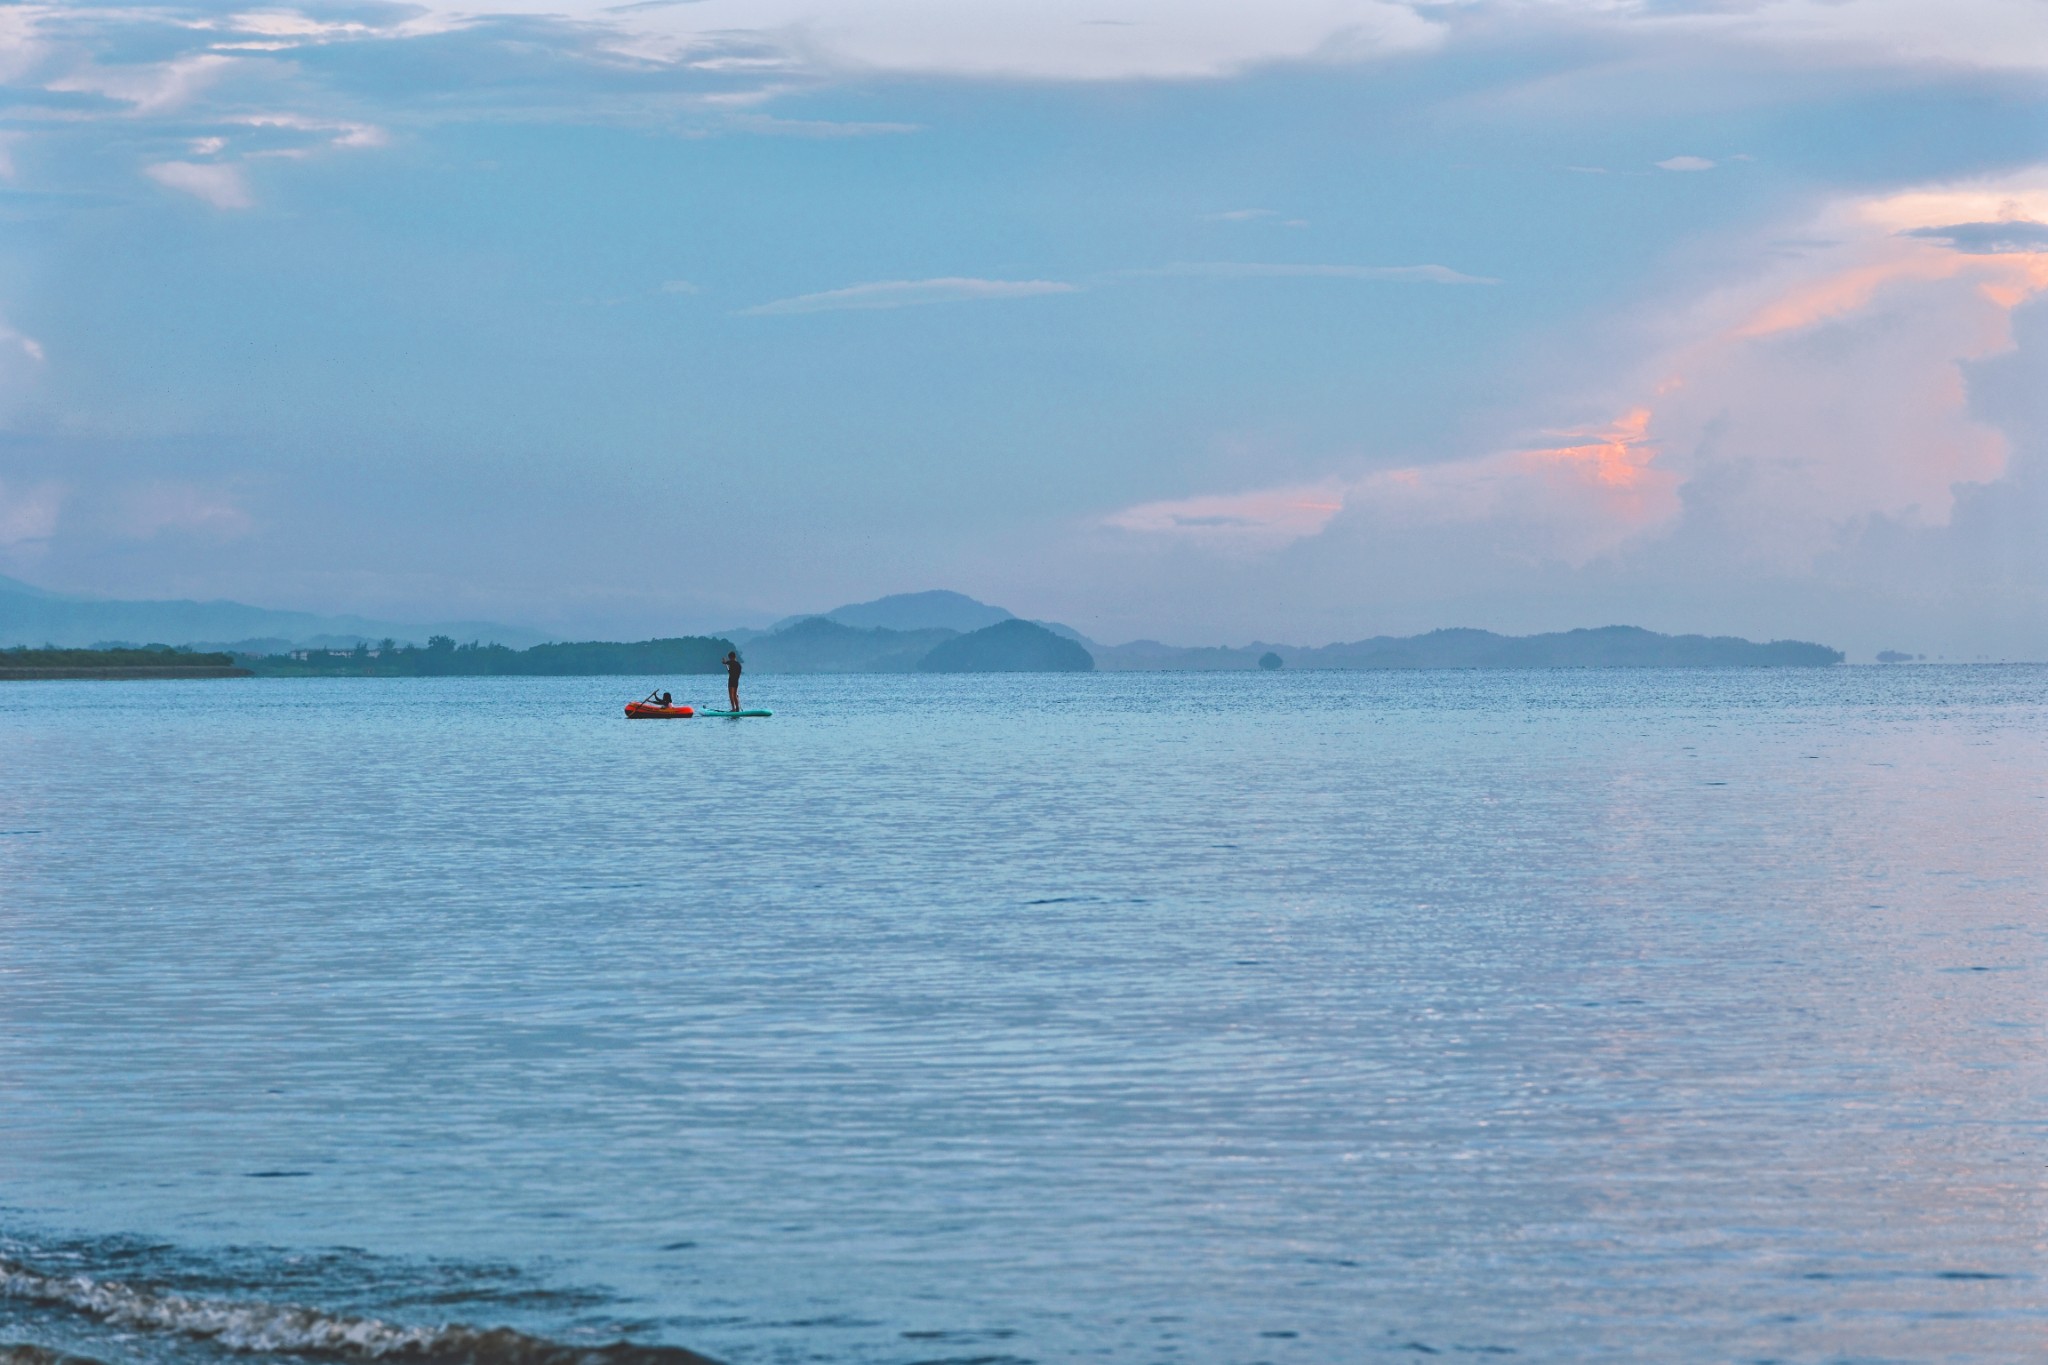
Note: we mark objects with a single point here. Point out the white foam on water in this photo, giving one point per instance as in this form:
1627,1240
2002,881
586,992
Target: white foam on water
238,1325
258,1327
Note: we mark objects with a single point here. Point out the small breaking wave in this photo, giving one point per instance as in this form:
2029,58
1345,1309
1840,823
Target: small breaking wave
257,1327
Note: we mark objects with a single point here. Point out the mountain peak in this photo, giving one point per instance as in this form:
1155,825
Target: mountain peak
937,609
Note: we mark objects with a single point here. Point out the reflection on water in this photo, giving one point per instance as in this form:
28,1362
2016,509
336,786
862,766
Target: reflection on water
1629,1015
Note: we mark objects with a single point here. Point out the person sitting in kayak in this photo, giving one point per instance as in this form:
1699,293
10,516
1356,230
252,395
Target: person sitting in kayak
732,677
661,699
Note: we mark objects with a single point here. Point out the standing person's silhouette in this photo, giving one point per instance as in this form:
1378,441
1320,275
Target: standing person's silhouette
732,677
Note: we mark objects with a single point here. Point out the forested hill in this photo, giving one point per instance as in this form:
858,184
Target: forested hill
443,658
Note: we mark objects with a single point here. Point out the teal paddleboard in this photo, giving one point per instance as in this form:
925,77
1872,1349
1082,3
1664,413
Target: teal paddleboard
735,715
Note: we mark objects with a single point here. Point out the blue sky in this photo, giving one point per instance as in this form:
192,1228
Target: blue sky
1303,321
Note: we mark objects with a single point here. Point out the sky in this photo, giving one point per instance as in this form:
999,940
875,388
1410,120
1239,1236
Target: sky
1303,320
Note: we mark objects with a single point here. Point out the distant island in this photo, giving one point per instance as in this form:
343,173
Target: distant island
823,644
1605,647
855,639
934,632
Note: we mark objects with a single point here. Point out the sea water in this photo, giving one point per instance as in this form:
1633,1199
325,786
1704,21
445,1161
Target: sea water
1557,1016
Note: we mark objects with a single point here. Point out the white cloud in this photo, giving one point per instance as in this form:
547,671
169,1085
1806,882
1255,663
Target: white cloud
1251,270
2007,34
911,293
291,24
30,347
1264,519
816,128
1038,39
1685,163
218,184
1184,39
335,132
149,88
679,287
149,510
1240,215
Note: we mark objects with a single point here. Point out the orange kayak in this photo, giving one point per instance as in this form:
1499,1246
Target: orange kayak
640,710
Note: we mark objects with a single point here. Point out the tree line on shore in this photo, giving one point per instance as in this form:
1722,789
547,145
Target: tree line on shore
442,657
111,656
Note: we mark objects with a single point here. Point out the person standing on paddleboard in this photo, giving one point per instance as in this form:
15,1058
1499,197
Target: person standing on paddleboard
732,677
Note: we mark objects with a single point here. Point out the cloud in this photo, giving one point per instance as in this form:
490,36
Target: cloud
1071,40
148,87
1685,163
1782,418
29,515
719,61
333,132
583,59
1240,215
1988,239
1261,520
1247,270
219,184
1059,40
1580,498
910,294
1564,503
151,509
817,128
28,345
1822,396
1992,34
297,28
679,286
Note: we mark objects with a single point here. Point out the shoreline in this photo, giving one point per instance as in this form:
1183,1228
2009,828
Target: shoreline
118,673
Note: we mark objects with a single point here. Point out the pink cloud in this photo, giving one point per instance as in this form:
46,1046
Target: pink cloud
1264,519
1569,503
1780,414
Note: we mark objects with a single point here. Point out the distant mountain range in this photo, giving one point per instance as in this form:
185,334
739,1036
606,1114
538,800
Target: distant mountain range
819,644
33,616
1605,647
900,633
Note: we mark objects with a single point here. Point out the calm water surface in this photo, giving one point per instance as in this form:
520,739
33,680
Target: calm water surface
1613,1015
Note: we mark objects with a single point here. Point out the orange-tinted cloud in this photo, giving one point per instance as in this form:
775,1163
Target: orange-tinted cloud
2007,280
1783,412
1618,457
